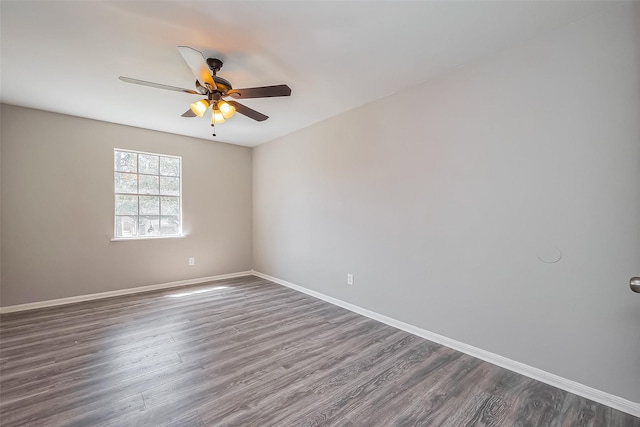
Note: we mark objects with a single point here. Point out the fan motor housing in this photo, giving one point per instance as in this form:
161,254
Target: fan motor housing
223,85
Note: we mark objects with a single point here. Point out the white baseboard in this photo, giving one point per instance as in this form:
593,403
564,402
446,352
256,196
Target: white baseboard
529,371
119,292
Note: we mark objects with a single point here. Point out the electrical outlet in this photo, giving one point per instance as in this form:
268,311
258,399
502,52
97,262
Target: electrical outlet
349,279
192,261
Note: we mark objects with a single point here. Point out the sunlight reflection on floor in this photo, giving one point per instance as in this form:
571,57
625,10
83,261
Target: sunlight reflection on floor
197,291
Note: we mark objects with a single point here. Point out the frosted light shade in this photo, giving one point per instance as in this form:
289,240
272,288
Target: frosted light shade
226,109
199,107
216,117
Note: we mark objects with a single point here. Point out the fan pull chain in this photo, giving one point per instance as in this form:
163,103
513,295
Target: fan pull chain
213,125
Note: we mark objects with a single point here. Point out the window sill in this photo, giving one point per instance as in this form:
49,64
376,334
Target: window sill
129,239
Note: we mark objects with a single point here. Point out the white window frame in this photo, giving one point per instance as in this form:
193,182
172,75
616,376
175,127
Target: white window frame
138,194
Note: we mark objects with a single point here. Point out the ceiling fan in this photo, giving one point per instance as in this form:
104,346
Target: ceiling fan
216,88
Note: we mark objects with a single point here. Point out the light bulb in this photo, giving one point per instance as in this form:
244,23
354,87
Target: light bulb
226,109
199,107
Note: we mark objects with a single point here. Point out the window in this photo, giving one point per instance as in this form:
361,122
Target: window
147,195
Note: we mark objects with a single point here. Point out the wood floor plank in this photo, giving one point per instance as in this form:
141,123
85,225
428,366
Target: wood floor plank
423,387
253,364
251,400
137,305
248,352
296,390
538,404
191,420
93,396
581,413
76,373
356,396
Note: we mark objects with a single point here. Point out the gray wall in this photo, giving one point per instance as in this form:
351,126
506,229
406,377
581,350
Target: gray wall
441,200
57,209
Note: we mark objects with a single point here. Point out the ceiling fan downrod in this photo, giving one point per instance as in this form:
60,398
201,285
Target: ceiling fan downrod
214,64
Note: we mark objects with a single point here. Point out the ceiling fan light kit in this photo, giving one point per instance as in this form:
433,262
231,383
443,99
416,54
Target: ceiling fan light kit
200,107
227,109
216,89
217,117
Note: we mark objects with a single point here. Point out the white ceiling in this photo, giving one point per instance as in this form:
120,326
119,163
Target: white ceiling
66,56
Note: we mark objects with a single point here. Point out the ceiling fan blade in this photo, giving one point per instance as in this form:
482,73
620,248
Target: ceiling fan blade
157,85
260,92
251,113
188,113
198,65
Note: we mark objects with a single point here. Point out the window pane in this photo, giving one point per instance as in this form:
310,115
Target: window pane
147,194
126,161
169,166
126,205
126,182
126,226
169,186
148,163
149,205
169,225
148,184
170,206
149,225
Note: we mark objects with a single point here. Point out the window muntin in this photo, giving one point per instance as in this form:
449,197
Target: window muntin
147,195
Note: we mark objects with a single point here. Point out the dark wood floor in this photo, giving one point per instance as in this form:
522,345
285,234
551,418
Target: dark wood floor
247,352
